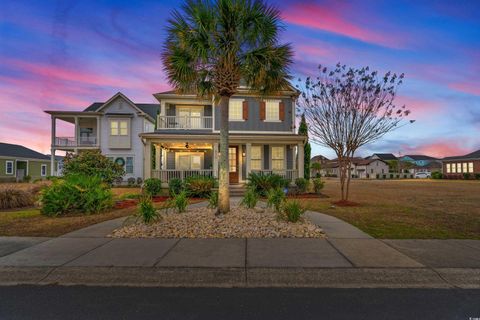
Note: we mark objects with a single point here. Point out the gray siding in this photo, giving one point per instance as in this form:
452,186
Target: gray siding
170,160
244,164
208,159
266,157
289,157
254,123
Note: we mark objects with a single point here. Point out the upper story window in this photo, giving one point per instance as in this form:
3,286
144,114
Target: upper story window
9,167
272,110
119,127
256,158
235,110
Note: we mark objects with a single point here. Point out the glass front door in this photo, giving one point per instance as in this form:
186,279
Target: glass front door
233,164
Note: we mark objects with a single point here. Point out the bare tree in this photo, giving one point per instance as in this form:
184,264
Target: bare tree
347,108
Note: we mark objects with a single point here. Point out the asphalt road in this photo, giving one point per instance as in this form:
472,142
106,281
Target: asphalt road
78,302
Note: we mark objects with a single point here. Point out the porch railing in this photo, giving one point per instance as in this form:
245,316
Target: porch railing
184,122
72,142
167,175
289,174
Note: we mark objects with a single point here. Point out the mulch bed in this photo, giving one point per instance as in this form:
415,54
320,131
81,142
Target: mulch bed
128,203
345,203
307,196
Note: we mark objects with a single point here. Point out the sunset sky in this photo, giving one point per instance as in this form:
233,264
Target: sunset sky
64,55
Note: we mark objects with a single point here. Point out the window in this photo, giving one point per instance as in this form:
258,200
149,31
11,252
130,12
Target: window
235,109
465,167
9,167
43,170
278,157
189,161
256,158
470,167
272,110
129,165
119,128
449,168
459,168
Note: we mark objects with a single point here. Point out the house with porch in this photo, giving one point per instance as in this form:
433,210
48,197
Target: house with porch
179,136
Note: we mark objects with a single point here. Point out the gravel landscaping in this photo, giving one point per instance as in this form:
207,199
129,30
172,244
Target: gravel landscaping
238,223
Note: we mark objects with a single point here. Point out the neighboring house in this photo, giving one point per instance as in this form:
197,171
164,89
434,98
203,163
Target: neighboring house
17,161
421,163
185,141
360,168
458,165
317,159
383,156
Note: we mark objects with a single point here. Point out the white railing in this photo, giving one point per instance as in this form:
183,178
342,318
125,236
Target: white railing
167,175
72,142
184,122
289,174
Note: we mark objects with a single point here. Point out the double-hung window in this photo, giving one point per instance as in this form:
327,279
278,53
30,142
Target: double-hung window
235,110
119,128
129,165
256,158
272,110
278,158
43,170
465,167
9,167
449,167
470,167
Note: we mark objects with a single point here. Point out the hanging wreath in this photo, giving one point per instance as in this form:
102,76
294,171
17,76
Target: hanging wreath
120,161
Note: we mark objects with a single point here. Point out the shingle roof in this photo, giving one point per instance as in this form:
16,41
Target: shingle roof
419,157
18,151
149,108
319,158
473,155
385,156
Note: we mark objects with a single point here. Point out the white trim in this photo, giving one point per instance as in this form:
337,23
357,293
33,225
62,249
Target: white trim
124,156
16,166
284,156
13,167
241,109
278,108
41,169
259,132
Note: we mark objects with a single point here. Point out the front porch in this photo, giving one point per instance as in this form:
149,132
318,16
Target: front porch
180,158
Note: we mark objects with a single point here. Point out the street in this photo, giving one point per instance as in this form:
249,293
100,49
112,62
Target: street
80,302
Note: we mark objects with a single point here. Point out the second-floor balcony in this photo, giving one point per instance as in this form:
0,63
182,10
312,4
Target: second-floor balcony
72,142
184,122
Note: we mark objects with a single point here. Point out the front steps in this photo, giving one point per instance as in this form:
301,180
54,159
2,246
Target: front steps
237,190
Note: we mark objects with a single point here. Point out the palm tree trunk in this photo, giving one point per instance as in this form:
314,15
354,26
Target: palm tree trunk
223,177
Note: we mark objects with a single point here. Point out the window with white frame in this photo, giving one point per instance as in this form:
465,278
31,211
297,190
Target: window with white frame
465,167
454,168
459,168
189,161
272,110
8,167
235,109
470,167
449,168
43,170
278,158
129,165
119,127
256,158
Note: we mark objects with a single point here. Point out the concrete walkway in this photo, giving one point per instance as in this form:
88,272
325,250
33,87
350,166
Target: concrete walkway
347,258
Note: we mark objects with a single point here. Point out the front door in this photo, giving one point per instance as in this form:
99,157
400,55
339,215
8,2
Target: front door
233,164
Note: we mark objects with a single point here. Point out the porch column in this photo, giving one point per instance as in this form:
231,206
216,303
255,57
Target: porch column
248,158
52,151
294,157
157,157
147,160
215,160
76,132
301,160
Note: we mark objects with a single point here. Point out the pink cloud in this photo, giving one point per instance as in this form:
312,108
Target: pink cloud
438,148
325,18
470,87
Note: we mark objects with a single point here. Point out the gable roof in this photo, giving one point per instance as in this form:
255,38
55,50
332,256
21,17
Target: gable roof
18,151
319,158
384,156
417,157
472,155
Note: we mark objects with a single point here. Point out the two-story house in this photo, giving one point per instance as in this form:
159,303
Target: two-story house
421,163
179,137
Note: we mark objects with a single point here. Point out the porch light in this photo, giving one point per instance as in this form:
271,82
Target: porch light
243,154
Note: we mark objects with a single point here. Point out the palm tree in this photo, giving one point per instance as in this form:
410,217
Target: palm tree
213,45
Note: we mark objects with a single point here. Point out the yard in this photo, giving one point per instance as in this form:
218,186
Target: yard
401,209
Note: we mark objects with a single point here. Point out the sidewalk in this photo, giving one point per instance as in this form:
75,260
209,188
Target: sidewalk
347,258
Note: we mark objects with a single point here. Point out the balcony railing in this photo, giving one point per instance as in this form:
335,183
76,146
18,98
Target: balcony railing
290,174
184,122
72,142
167,175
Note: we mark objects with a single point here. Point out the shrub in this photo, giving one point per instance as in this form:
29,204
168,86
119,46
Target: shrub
302,184
213,200
292,211
92,163
139,181
262,183
175,186
250,199
146,210
437,175
180,201
467,176
131,181
152,186
275,198
27,178
199,186
76,193
477,176
11,197
318,185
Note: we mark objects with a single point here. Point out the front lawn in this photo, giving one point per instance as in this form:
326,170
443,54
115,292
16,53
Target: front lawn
402,209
